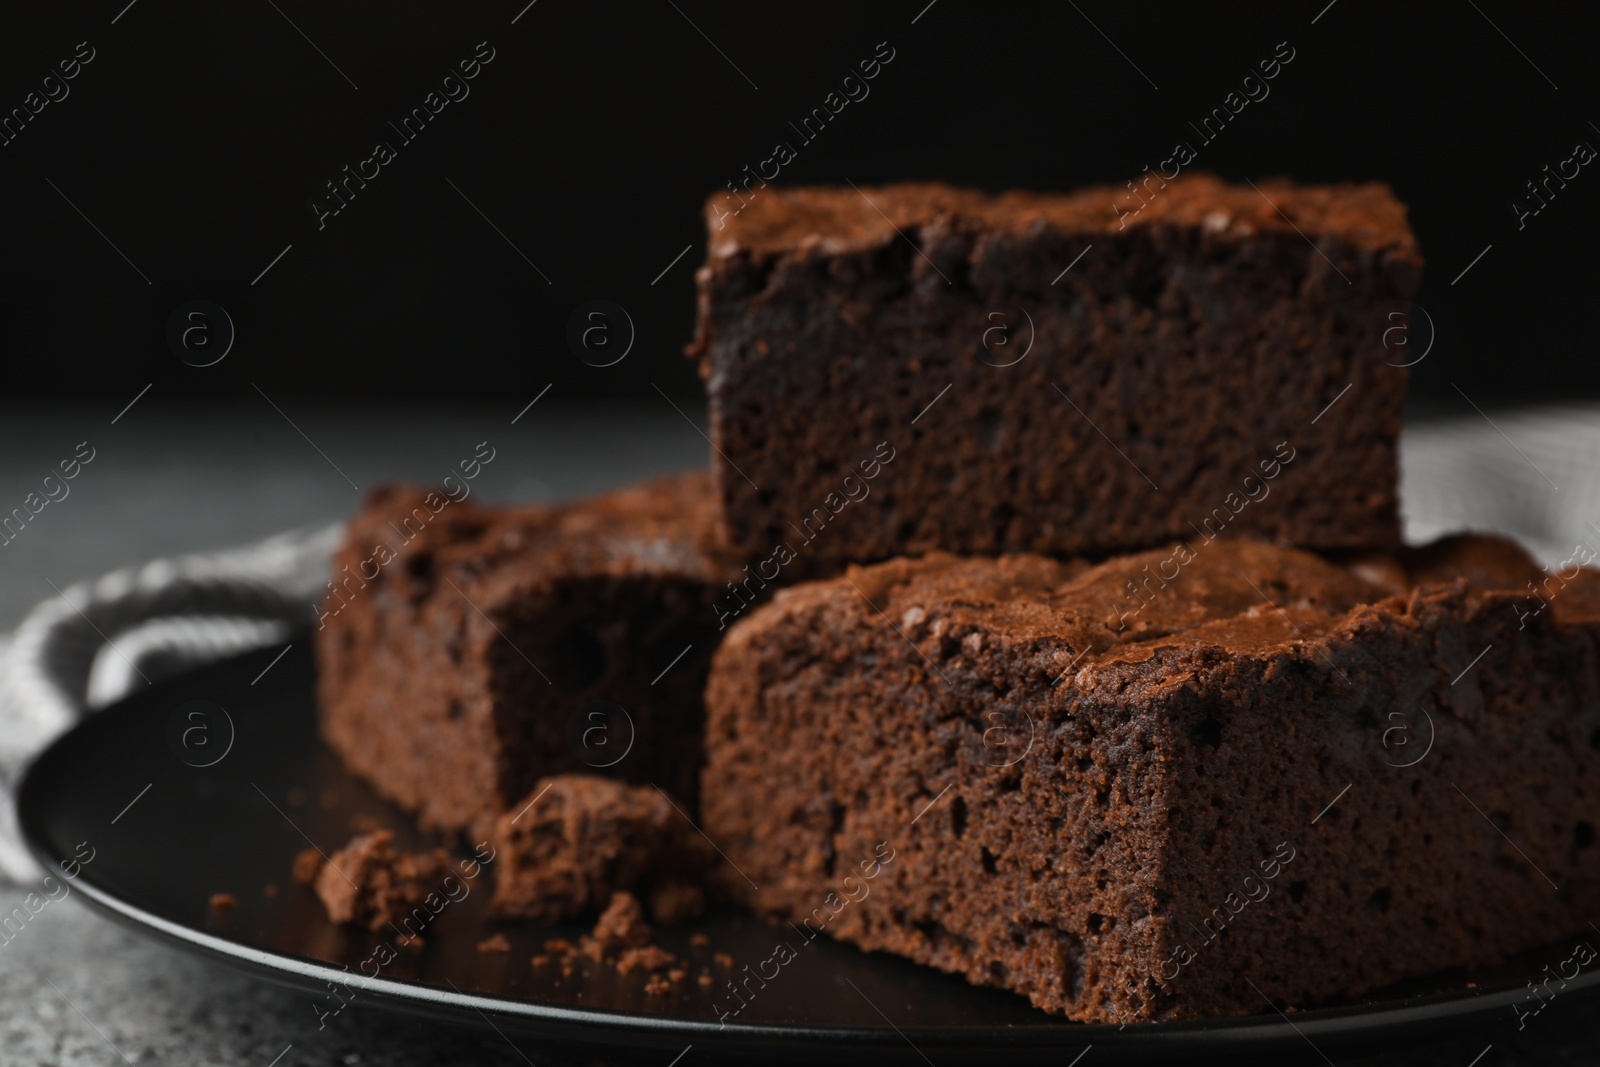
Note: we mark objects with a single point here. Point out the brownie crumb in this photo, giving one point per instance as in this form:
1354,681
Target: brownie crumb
369,881
620,927
648,958
578,838
224,902
270,889
677,975
673,902
657,986
306,866
622,924
722,959
494,943
366,824
705,980
699,941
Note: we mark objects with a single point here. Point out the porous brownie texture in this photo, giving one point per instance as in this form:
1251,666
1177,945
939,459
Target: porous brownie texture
578,840
1129,791
1139,396
464,652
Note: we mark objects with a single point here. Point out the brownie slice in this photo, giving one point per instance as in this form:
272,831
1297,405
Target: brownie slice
1130,791
464,652
898,370
578,840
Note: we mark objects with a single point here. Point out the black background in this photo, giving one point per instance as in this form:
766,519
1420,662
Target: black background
201,133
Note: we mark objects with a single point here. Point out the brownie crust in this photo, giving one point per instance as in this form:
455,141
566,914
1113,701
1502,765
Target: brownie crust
1190,350
1275,771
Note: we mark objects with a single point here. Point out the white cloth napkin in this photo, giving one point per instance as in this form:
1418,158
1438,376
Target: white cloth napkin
1531,474
1534,475
99,639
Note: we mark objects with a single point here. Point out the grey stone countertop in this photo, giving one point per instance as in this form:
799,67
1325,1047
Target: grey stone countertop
79,991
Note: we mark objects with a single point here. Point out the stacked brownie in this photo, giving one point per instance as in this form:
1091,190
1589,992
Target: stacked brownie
1049,377
1110,671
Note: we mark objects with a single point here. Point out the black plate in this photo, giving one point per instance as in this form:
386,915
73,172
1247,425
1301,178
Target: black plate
167,833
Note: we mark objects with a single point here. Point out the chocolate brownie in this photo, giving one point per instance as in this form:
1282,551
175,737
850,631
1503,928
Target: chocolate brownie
579,839
1178,784
464,652
898,370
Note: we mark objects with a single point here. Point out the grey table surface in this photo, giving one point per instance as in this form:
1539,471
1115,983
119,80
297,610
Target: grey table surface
175,479
77,991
